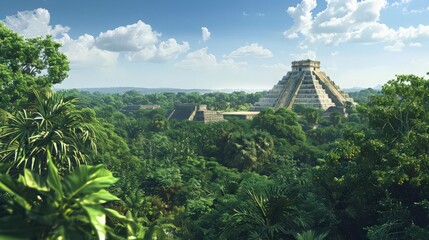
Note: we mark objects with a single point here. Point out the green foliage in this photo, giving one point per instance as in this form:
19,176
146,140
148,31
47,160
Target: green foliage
248,150
148,215
401,107
284,175
50,125
264,216
27,63
310,235
282,123
309,116
47,207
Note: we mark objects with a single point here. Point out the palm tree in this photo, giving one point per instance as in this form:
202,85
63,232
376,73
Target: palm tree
270,214
52,125
247,150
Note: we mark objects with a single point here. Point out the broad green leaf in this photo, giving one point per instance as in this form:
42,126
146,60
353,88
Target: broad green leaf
87,179
98,219
114,214
99,197
54,179
35,181
8,185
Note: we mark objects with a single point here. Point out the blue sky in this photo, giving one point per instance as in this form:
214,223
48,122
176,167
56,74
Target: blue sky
240,44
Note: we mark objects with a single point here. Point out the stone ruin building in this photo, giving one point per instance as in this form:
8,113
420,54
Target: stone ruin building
132,108
194,112
305,85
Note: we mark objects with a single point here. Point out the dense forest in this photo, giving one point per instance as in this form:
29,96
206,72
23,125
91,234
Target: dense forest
76,165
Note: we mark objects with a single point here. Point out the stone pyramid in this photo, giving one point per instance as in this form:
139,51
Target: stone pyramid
304,85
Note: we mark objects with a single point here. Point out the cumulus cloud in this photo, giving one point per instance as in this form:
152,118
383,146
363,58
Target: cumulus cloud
231,64
167,50
82,52
396,47
137,42
349,21
399,3
134,37
202,60
198,59
34,23
140,42
253,49
302,19
170,49
205,33
415,44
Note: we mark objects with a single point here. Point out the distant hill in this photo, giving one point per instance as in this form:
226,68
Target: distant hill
353,89
122,90
363,95
358,89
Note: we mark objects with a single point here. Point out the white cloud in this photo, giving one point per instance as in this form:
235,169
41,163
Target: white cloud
302,19
170,49
396,47
260,14
421,31
231,64
140,43
82,52
414,11
245,14
201,60
253,49
167,50
205,33
415,44
34,23
133,38
349,21
399,3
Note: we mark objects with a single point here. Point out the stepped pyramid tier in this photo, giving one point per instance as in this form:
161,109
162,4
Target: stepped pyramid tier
193,112
304,85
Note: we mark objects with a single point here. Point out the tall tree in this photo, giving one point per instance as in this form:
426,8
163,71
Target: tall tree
27,63
282,123
248,150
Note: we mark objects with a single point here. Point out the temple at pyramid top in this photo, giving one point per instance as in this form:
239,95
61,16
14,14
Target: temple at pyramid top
304,85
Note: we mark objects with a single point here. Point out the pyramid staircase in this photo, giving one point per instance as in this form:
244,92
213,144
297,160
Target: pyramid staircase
304,85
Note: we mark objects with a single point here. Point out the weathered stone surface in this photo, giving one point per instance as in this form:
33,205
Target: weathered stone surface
240,115
304,85
193,112
140,107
